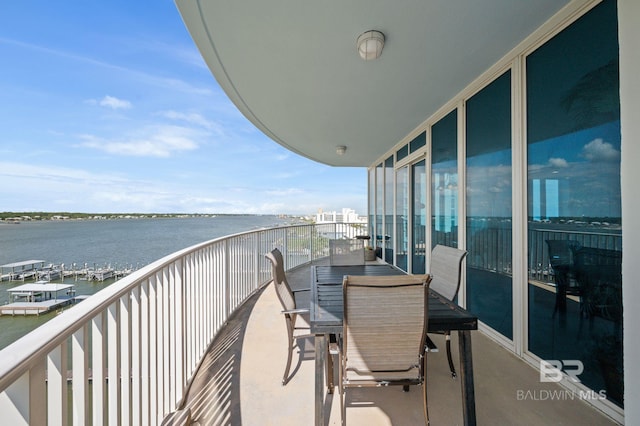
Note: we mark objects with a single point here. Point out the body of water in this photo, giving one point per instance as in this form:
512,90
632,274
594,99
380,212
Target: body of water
120,243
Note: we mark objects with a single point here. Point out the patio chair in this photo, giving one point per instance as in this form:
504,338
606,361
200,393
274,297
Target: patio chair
384,333
346,252
561,259
446,274
291,311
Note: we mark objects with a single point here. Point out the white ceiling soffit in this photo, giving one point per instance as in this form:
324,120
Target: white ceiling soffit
293,69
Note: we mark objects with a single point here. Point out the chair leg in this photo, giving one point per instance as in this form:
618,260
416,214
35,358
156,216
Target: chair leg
451,367
285,378
424,391
329,372
343,409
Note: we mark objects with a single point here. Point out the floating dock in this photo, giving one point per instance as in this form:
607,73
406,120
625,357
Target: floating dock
38,298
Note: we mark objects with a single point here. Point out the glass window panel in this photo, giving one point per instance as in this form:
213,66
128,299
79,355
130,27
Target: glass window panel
418,142
574,227
402,152
372,201
387,242
402,217
419,213
444,181
488,164
379,209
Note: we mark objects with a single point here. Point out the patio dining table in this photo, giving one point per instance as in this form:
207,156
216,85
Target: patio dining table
326,319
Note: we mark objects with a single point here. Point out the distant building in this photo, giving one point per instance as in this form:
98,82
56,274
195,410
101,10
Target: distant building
347,216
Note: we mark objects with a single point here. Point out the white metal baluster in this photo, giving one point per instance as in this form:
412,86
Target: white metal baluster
125,362
166,355
57,385
154,347
113,365
173,336
98,384
145,356
181,338
136,370
80,371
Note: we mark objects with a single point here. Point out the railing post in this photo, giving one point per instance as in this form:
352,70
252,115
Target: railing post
227,283
256,275
181,336
57,385
80,362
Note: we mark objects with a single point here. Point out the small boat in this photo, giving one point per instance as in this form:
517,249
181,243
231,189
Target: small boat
49,273
101,274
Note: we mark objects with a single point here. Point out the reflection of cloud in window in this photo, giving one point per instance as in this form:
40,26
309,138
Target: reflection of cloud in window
558,162
598,150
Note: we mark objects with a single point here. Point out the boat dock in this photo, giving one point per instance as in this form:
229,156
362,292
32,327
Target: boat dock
21,270
36,270
38,298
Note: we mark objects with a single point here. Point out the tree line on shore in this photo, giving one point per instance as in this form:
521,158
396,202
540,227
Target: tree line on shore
26,216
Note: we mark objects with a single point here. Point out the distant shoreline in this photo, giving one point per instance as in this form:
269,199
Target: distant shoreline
18,217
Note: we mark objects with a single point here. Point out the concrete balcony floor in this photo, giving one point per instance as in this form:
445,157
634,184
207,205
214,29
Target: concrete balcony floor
239,382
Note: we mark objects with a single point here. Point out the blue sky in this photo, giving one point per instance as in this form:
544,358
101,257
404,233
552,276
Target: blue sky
108,107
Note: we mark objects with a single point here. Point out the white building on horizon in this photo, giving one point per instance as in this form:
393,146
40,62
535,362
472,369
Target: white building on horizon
346,216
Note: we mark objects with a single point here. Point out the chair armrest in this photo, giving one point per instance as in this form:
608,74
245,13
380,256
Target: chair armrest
296,311
430,345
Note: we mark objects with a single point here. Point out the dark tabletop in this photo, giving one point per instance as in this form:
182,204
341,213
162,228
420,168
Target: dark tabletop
327,306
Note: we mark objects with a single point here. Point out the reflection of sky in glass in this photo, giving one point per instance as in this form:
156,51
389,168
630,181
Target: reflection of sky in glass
585,166
489,184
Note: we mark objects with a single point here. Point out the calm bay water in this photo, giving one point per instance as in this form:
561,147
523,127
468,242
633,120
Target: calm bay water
120,243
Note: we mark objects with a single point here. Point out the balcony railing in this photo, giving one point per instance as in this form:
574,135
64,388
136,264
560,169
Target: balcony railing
126,355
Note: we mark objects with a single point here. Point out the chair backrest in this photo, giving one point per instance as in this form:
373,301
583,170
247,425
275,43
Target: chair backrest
446,270
346,252
561,252
384,326
280,280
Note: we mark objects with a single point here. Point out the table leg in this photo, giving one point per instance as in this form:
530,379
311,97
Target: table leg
466,378
321,353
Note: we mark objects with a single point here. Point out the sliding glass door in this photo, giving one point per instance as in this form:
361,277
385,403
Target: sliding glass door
488,189
574,203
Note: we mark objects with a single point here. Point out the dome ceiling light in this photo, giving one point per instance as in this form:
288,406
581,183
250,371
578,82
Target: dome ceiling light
370,44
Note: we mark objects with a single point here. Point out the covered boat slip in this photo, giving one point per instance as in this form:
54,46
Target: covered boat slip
37,298
20,270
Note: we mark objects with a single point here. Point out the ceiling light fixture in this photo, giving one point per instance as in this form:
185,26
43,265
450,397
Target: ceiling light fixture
341,149
370,44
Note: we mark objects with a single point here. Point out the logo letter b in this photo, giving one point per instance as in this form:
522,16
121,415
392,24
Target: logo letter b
550,370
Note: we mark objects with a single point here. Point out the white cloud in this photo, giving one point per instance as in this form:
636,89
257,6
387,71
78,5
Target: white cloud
192,118
600,151
158,141
114,103
558,162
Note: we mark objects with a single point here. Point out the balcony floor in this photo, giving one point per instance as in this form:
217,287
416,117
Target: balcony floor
239,382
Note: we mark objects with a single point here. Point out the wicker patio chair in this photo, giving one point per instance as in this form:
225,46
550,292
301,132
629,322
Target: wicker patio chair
291,311
446,273
384,333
